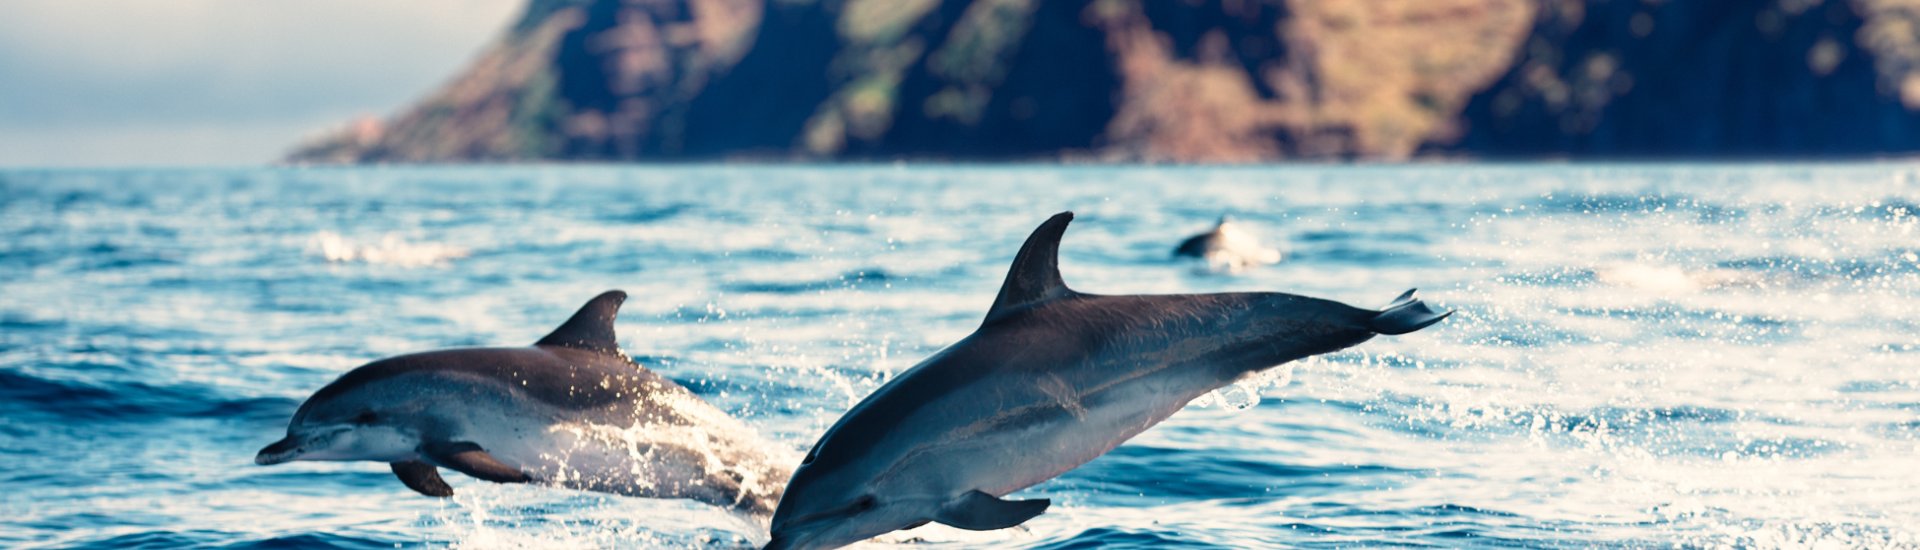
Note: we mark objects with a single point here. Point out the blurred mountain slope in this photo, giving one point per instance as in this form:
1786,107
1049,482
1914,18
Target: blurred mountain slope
1168,80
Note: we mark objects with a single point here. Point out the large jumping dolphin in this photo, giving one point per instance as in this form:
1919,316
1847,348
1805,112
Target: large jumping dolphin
1052,379
571,410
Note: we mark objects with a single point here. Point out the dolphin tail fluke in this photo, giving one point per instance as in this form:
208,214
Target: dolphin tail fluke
1406,314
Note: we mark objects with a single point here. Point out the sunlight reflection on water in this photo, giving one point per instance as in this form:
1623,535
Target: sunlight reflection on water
1711,355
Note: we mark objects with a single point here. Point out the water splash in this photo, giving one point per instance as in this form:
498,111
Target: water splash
519,517
695,451
1244,393
389,250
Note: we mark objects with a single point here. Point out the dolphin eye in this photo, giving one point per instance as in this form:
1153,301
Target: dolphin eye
365,417
865,503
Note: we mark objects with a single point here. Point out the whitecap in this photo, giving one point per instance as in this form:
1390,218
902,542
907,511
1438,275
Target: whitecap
389,250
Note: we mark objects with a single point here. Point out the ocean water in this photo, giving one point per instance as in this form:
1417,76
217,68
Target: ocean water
1643,356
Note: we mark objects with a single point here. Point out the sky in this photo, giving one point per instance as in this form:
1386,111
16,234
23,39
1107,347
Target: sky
217,82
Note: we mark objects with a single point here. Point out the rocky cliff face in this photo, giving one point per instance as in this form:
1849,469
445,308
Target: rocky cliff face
1168,80
1793,78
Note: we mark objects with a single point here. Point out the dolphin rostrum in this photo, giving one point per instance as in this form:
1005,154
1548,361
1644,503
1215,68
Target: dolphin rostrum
571,410
1052,379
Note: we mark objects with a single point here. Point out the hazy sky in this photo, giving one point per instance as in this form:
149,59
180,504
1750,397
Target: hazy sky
217,82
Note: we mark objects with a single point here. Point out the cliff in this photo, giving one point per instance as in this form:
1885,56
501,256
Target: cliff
1795,78
1168,80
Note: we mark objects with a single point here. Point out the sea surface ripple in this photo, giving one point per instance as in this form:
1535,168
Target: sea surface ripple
1644,355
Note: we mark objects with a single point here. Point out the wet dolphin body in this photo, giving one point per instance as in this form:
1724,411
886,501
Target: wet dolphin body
1227,247
1052,379
571,410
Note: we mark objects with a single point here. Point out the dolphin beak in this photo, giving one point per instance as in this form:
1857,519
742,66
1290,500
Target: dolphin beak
805,536
284,450
790,539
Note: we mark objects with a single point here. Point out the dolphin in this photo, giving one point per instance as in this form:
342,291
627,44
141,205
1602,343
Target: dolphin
1052,379
1227,248
570,411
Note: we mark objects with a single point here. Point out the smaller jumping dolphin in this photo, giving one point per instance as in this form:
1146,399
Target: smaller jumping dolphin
571,411
1227,247
1052,379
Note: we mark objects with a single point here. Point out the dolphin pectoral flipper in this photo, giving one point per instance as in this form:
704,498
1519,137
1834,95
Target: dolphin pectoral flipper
423,478
1406,314
977,511
468,458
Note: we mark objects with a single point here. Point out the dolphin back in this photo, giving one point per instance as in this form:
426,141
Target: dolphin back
1406,314
1195,246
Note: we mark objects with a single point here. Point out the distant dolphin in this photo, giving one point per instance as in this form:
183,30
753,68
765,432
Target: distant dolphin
571,410
1052,379
1227,247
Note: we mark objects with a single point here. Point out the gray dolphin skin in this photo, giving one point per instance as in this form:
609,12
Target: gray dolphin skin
1052,379
1197,246
1227,247
571,411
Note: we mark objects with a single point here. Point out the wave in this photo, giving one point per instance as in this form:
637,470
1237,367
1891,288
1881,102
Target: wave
645,215
163,325
1106,537
851,280
238,541
127,401
389,250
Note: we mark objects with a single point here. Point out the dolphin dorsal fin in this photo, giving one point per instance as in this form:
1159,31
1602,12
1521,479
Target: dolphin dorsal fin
591,328
1035,276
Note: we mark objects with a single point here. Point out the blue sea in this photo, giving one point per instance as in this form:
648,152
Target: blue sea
1697,356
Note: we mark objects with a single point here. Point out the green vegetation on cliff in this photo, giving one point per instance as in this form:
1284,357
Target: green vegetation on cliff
1166,80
